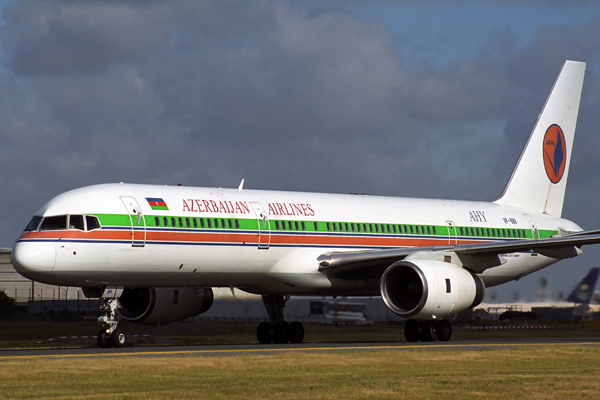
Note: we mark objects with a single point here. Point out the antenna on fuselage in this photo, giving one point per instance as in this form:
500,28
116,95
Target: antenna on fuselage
241,185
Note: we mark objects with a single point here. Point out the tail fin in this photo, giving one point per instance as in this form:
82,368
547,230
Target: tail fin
539,179
582,294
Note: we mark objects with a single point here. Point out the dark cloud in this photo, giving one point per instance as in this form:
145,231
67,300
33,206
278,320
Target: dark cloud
290,96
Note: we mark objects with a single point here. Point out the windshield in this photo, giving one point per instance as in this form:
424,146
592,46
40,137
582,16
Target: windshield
34,223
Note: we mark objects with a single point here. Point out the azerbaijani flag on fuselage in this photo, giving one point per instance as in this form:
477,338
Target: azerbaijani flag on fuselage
157,203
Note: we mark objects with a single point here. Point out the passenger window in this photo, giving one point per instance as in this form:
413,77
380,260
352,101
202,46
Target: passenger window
208,223
187,222
237,224
376,228
303,225
180,222
328,227
92,222
54,223
216,223
229,224
156,221
165,220
296,224
201,223
76,222
346,225
173,224
277,225
290,225
316,227
195,222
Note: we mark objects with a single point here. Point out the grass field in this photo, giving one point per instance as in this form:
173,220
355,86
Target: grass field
528,373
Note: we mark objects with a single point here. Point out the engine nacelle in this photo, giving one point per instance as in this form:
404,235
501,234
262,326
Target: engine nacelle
427,289
153,306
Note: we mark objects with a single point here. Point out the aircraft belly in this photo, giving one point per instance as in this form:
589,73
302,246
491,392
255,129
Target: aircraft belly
87,264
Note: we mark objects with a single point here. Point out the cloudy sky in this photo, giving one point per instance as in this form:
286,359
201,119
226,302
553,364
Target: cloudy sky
399,98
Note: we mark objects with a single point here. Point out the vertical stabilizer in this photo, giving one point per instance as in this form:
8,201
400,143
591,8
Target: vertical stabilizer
582,294
539,179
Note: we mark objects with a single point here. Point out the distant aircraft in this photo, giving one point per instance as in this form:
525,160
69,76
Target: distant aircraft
584,293
152,254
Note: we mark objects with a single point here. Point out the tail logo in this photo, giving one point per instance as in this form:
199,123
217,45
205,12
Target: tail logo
555,153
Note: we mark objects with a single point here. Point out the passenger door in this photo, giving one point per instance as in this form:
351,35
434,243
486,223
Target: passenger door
137,220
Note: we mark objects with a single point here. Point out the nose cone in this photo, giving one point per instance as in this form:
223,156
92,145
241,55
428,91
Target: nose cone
34,260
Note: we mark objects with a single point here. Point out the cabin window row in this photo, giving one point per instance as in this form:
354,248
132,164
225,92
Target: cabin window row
381,228
60,222
492,232
293,225
180,222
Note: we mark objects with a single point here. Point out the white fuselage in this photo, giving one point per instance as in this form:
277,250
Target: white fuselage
264,242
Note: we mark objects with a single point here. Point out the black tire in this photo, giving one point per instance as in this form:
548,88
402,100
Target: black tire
444,330
118,338
296,332
103,339
411,330
427,331
281,332
264,333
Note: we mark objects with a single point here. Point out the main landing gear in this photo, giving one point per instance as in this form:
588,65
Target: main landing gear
277,330
110,334
427,331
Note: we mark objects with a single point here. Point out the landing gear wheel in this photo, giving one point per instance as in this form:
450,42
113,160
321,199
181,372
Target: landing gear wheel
411,330
103,339
118,338
427,332
296,332
281,332
264,333
444,330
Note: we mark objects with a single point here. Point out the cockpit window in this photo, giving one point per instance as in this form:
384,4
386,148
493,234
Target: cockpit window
92,222
76,222
54,223
34,223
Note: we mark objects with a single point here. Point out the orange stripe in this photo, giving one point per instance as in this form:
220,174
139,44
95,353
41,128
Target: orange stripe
242,238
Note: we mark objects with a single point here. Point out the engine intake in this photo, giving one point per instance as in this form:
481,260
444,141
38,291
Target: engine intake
153,306
427,289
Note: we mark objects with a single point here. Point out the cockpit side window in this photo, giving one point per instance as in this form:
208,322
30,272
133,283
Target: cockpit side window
34,223
54,223
92,222
76,222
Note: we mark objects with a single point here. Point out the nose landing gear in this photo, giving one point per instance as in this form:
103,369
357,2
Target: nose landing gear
110,334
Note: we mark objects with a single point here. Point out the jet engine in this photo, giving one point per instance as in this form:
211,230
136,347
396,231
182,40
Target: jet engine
427,289
154,306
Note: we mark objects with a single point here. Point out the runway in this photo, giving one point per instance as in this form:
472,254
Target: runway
256,349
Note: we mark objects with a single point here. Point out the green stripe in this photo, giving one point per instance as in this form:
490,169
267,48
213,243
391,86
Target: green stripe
440,231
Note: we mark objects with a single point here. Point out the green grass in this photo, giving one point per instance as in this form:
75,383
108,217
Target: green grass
531,373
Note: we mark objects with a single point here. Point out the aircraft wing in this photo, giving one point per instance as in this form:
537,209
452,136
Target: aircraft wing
370,264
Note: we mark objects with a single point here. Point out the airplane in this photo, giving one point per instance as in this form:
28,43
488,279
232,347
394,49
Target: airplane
584,293
152,254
